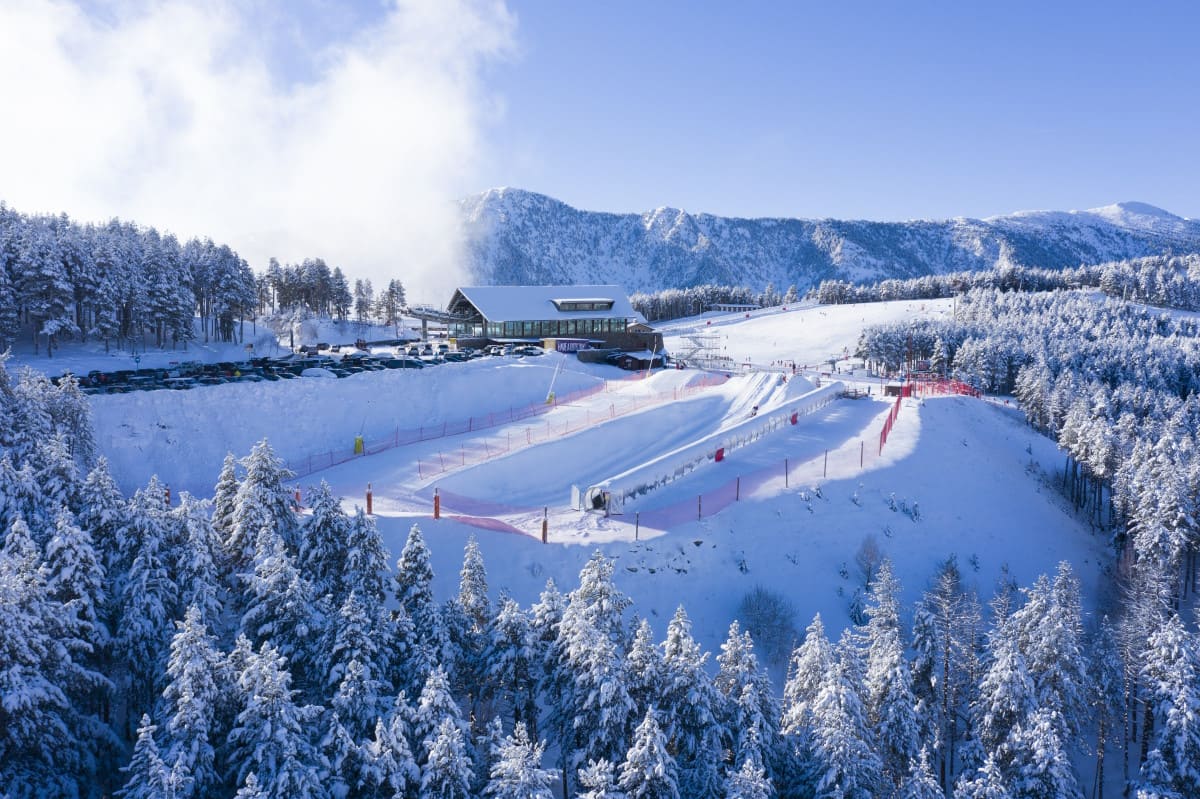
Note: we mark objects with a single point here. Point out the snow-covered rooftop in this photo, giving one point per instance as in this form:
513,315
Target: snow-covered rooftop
519,303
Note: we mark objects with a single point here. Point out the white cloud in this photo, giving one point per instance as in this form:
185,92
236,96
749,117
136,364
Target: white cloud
173,114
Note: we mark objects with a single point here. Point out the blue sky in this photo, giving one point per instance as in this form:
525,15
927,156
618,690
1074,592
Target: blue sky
850,109
349,128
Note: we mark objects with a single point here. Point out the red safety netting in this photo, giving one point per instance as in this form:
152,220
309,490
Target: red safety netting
536,433
308,464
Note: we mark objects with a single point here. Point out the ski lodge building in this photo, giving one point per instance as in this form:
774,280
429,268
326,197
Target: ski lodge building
566,318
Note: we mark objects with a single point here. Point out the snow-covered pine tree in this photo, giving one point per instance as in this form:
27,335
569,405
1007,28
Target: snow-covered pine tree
809,664
202,584
271,734
487,753
887,687
946,625
149,776
323,541
986,783
57,475
1171,676
46,287
71,417
388,768
352,635
359,699
518,772
648,770
148,608
510,661
644,665
1041,767
446,773
473,588
1049,632
846,762
601,709
365,568
190,701
738,668
1006,693
414,593
595,713
435,705
280,609
35,709
262,500
749,782
75,580
1107,679
104,514
473,614
225,500
919,782
343,755
409,660
687,710
598,781
599,601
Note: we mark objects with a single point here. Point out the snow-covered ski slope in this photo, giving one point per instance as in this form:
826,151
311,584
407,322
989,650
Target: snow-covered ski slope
977,475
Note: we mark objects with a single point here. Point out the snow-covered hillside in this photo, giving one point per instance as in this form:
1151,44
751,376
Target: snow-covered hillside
518,237
976,471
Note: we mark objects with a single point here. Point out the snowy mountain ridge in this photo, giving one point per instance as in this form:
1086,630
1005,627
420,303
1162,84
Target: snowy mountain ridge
520,237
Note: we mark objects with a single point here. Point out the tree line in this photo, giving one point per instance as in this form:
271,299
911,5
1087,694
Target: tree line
312,287
676,303
1171,281
116,282
239,647
133,287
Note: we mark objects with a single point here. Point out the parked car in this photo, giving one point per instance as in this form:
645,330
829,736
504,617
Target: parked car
403,363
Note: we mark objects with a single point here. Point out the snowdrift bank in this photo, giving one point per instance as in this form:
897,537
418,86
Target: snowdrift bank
182,436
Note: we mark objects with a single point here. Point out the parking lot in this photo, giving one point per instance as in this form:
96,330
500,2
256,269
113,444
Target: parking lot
316,360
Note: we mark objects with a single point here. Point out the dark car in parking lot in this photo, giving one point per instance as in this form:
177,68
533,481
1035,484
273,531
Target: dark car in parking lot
403,363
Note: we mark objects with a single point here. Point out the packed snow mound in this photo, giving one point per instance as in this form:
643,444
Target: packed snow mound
797,386
317,371
144,433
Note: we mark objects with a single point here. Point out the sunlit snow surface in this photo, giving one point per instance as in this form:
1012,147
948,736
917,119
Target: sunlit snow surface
981,478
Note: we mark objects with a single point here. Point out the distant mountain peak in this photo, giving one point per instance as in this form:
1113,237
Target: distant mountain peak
519,237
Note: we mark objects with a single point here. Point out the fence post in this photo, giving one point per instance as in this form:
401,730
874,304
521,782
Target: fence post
437,504
370,510
545,524
862,449
737,489
637,523
698,506
825,468
443,461
785,472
